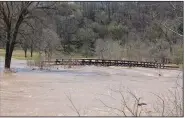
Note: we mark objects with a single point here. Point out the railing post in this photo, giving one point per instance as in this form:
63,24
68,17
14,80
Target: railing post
56,61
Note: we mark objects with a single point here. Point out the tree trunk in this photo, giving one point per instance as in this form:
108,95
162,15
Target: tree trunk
31,53
11,43
7,55
8,58
7,62
31,50
25,53
10,46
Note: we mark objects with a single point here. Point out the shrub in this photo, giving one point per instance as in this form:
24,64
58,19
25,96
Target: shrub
178,56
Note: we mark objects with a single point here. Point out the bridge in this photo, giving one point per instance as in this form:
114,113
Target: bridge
103,62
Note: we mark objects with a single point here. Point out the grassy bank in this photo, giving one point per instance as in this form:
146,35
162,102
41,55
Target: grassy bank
19,54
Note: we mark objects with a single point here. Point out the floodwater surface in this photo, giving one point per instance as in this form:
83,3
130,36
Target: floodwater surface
48,92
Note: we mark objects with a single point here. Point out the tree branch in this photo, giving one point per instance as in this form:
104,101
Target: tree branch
163,105
172,30
69,98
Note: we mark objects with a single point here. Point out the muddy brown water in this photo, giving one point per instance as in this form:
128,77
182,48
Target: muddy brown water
45,94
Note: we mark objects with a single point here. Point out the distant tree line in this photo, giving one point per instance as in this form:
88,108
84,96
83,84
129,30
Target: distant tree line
150,31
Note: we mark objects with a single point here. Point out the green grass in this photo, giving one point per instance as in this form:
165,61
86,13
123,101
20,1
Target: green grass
19,54
2,52
181,66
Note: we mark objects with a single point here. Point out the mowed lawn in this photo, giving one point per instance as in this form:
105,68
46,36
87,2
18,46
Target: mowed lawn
19,54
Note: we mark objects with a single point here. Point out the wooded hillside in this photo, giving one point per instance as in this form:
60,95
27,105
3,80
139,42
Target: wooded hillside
150,31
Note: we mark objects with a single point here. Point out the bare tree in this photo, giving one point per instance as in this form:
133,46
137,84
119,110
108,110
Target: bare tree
50,41
135,108
13,15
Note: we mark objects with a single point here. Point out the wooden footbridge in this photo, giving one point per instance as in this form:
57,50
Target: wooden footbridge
103,62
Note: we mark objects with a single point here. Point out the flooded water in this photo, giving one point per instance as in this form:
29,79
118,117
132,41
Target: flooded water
44,93
20,67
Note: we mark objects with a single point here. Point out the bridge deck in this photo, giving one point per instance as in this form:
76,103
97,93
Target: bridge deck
102,62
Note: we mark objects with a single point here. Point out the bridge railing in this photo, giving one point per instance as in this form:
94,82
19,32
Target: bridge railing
103,62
